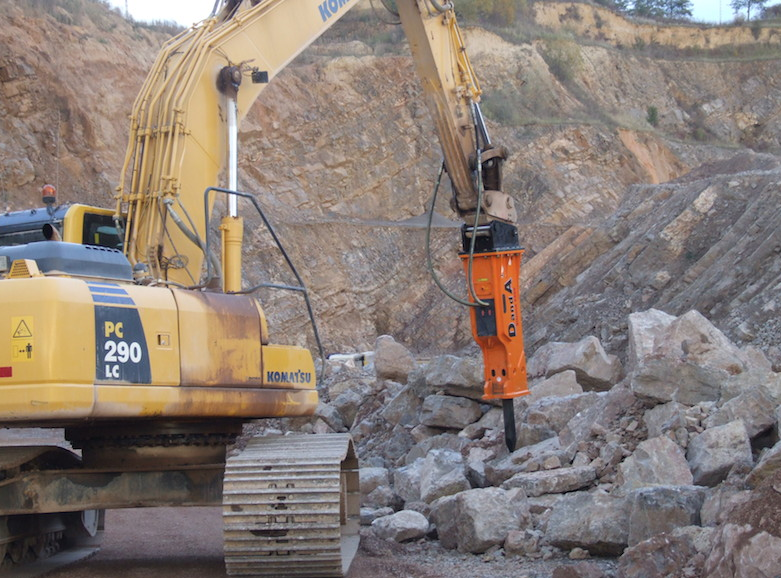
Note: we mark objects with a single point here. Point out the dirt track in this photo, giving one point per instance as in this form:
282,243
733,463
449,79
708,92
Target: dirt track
187,543
172,542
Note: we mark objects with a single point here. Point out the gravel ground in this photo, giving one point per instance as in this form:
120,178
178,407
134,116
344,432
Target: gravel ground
187,543
427,559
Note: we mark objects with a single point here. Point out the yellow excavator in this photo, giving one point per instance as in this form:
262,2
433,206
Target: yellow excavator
124,327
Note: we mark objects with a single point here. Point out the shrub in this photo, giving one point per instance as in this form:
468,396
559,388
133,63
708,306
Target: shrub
562,55
652,115
502,106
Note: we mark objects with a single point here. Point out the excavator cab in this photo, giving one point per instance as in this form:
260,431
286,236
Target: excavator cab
75,223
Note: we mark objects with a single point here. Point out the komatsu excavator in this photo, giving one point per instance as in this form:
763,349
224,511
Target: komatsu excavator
147,349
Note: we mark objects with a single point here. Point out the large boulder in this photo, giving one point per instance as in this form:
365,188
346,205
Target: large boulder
442,441
655,462
560,384
662,509
664,380
442,474
406,481
601,416
375,487
714,452
556,481
680,553
402,526
392,360
667,417
596,522
754,407
443,515
453,375
403,409
372,478
524,542
594,368
476,459
331,416
644,329
522,460
546,417
347,404
687,360
721,502
693,338
555,412
768,465
447,411
743,551
485,516
491,423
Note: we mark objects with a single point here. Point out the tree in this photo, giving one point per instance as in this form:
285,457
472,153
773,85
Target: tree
677,8
647,9
620,5
663,8
738,5
770,12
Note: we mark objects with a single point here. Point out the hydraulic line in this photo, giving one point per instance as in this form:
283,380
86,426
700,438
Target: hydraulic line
441,8
190,233
430,264
300,288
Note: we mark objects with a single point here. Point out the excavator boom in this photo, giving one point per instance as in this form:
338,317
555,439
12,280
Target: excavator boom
178,144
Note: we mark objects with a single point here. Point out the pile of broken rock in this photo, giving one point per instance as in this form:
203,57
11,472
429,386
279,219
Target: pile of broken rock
670,461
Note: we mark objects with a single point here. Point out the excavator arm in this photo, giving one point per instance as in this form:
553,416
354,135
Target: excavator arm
452,94
491,250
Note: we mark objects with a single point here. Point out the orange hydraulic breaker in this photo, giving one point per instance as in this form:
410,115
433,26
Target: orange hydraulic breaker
495,265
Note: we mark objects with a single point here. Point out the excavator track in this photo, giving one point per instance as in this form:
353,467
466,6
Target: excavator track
291,507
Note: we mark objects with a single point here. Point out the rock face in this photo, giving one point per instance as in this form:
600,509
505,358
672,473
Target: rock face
338,169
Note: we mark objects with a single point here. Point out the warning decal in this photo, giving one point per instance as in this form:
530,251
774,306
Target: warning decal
22,329
22,343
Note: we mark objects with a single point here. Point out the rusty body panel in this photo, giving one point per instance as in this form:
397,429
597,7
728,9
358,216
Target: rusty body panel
142,352
54,480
